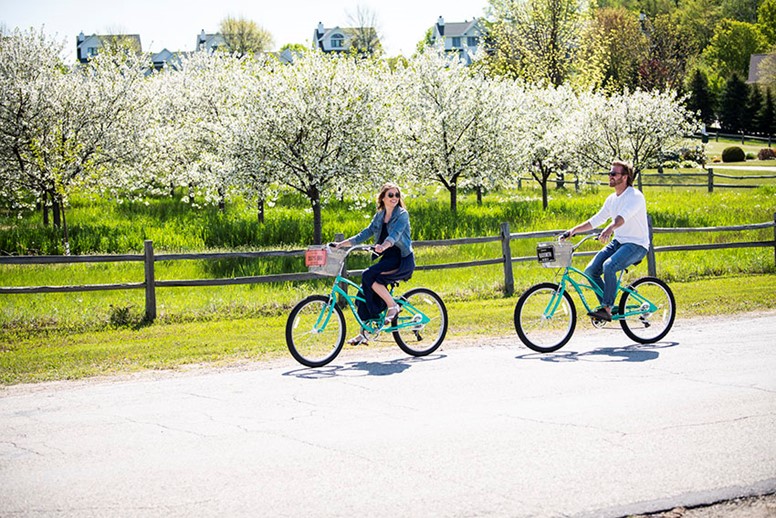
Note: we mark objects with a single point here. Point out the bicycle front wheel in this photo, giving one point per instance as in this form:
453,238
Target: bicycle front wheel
545,320
315,331
649,310
422,322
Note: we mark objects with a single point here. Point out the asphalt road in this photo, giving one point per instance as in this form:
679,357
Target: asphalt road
602,427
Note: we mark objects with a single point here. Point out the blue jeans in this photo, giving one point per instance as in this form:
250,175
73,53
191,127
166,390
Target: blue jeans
613,258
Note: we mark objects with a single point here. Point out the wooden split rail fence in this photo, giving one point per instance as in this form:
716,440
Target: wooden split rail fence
643,181
149,258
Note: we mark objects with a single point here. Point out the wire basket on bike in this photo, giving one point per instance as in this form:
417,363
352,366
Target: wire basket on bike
324,260
554,254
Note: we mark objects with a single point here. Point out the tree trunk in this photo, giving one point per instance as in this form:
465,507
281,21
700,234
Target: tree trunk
453,188
221,200
43,205
55,208
545,203
479,195
315,201
260,210
65,235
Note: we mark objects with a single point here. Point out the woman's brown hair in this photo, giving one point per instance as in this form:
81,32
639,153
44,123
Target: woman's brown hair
384,189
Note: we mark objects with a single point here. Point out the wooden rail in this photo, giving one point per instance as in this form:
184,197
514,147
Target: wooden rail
148,258
709,174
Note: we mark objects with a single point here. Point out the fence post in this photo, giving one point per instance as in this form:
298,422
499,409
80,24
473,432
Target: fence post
343,285
651,266
711,179
506,251
774,236
150,281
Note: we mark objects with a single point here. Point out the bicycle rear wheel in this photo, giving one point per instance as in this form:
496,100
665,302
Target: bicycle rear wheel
315,331
545,320
654,310
425,308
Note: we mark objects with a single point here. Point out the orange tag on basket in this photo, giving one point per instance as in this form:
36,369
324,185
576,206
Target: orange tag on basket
315,257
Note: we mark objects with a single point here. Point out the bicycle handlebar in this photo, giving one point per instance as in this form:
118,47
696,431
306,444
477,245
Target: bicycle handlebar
564,235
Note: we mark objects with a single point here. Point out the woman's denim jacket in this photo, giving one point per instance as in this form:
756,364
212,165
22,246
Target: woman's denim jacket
398,230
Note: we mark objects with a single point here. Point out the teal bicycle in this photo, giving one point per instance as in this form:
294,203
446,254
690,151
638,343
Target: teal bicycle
545,315
316,327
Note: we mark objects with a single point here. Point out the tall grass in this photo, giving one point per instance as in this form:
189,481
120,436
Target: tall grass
101,227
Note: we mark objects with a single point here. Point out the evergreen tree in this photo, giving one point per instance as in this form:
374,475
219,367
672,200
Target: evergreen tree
701,99
767,115
732,107
754,106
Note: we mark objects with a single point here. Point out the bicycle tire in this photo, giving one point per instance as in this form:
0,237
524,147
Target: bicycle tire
651,327
538,332
309,346
423,339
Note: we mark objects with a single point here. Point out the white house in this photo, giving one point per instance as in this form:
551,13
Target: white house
340,39
88,46
462,37
209,42
165,57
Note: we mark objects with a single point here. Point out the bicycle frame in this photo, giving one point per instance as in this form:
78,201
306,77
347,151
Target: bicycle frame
645,305
410,316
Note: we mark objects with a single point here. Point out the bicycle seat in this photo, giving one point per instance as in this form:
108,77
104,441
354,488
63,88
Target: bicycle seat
634,264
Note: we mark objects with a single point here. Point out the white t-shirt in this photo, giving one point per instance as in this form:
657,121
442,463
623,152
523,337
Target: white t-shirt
631,206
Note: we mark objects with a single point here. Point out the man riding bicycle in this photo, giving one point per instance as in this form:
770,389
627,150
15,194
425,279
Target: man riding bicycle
627,209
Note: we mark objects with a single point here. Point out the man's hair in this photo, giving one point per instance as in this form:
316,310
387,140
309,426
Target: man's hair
625,168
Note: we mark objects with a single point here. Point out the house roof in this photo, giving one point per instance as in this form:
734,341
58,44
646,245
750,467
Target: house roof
455,29
754,67
132,39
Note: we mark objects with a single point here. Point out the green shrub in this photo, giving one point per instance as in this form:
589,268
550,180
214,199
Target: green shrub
750,156
733,154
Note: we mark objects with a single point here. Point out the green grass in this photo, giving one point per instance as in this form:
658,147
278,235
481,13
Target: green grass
63,336
189,230
715,147
56,355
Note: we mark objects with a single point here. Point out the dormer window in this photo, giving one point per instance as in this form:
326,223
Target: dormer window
91,51
337,41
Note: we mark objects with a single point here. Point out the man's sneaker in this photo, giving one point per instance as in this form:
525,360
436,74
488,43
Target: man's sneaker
601,314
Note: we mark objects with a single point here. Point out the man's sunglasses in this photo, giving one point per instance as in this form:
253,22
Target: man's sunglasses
392,195
614,173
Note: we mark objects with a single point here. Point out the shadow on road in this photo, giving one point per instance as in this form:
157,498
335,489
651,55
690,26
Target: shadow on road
362,368
630,353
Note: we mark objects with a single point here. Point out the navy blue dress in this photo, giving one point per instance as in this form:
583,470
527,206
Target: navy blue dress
391,267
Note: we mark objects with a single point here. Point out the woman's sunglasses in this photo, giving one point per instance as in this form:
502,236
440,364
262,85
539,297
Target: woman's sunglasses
392,195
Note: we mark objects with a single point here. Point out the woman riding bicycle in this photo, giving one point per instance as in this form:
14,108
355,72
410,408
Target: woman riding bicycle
390,228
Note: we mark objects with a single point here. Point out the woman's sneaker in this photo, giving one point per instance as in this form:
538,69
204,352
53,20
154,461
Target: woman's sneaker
359,339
